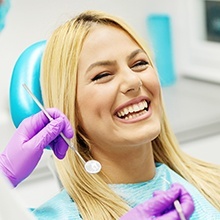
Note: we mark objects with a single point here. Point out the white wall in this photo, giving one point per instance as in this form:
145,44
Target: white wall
202,56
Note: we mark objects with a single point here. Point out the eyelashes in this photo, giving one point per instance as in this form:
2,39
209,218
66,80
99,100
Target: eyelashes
106,76
100,76
140,64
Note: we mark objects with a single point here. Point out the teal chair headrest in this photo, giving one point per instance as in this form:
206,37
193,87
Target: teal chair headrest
26,71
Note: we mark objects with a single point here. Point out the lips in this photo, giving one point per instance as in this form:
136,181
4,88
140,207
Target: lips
133,110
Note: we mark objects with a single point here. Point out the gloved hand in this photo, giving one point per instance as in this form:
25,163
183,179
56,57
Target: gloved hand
26,146
161,207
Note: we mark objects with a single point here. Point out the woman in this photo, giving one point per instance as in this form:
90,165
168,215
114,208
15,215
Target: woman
26,147
99,74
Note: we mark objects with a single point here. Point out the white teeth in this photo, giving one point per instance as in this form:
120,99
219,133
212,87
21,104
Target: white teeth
130,109
133,108
126,110
134,115
141,105
136,108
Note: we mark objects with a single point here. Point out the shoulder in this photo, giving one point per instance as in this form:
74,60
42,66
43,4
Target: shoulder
60,206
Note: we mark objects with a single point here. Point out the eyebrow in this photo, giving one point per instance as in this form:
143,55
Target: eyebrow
112,62
100,63
134,53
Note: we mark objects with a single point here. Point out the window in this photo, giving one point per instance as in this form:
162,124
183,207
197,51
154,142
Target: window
212,17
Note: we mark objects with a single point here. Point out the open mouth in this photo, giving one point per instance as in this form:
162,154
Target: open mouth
134,110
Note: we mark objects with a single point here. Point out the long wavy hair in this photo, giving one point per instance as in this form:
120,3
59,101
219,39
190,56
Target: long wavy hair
58,82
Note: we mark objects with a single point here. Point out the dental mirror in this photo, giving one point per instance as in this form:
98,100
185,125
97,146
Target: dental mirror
91,166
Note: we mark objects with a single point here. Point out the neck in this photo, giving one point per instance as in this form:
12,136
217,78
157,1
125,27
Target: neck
133,166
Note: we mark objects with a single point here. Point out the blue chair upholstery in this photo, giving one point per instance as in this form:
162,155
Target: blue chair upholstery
4,8
26,71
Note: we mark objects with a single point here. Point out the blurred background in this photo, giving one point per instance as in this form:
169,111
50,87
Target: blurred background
192,97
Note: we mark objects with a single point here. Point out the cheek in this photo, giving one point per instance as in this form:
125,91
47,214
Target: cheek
93,104
94,115
85,105
156,88
151,83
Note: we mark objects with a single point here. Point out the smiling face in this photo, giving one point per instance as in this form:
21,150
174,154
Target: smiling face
118,93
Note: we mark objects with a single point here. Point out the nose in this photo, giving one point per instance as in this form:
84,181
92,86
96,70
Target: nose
131,82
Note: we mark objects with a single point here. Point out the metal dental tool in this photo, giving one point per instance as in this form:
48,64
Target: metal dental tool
91,166
177,204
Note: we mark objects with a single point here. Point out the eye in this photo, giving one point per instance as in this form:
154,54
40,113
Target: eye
140,65
101,76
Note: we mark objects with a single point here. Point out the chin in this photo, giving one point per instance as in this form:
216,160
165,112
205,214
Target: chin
152,134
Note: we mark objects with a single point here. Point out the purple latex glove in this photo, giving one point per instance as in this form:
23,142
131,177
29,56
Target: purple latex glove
161,207
26,146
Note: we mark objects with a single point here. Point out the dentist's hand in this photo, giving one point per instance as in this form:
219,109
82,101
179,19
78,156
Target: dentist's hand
161,207
26,146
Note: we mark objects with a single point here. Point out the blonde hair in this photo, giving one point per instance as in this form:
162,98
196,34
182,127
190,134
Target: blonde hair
59,77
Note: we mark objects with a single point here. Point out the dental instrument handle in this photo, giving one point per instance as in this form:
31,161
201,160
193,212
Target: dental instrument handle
179,209
72,147
91,166
177,204
51,119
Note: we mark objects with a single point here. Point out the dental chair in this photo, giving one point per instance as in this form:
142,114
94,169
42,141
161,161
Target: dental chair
27,71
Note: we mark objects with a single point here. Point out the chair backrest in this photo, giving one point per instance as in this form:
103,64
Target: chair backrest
26,71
